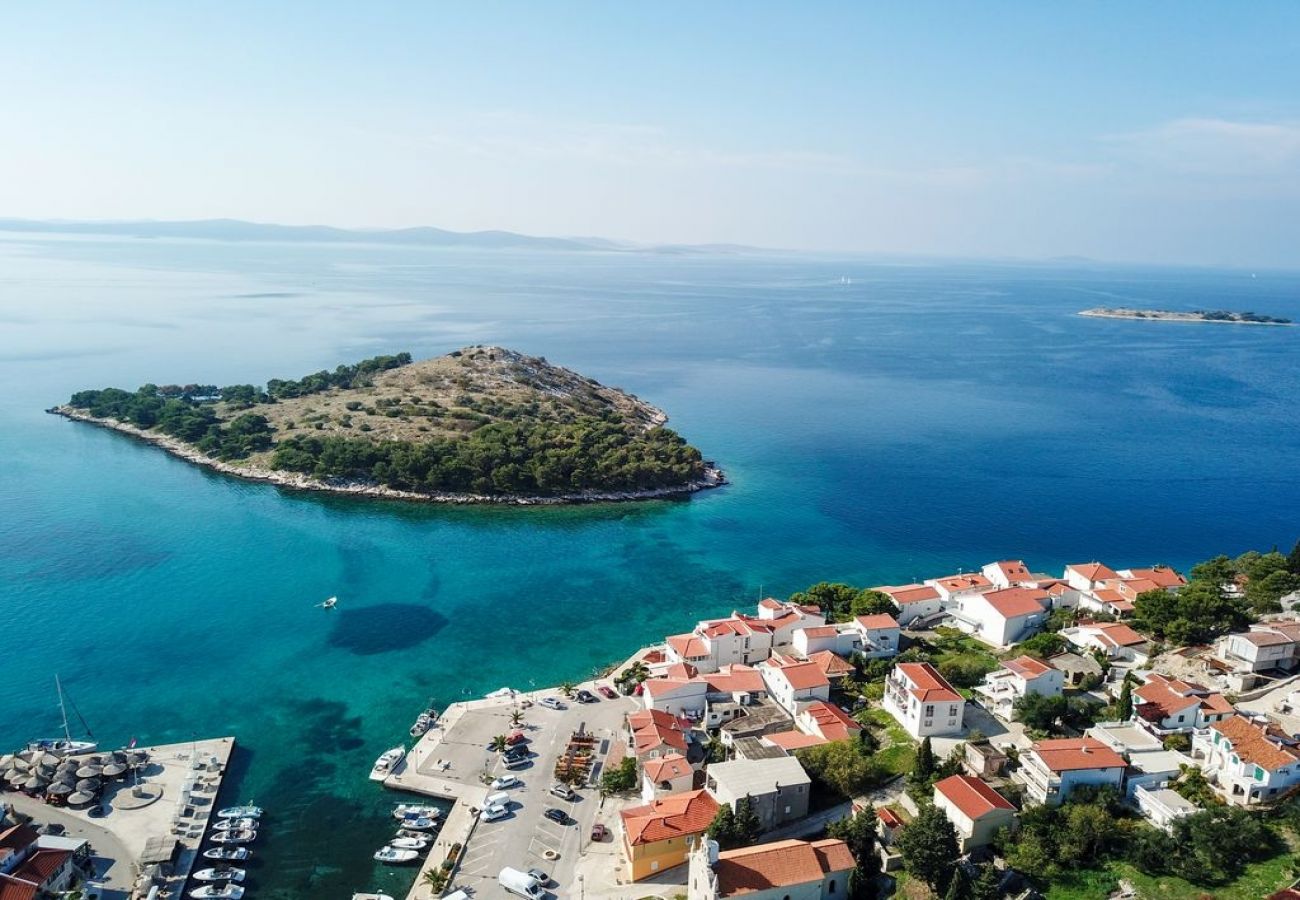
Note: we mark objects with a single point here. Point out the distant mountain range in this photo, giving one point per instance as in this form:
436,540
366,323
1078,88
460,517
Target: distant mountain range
237,230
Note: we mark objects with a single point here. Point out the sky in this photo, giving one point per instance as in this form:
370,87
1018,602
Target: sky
1164,132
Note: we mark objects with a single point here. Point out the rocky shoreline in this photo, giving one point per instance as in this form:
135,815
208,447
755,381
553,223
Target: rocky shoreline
713,476
1165,315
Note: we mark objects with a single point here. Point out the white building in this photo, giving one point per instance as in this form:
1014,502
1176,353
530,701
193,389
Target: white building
1163,806
1251,761
1168,705
874,637
778,787
953,587
922,701
1016,678
792,683
914,601
665,775
1267,645
879,635
783,870
1050,770
742,639
975,810
1088,577
1007,573
1001,617
1115,639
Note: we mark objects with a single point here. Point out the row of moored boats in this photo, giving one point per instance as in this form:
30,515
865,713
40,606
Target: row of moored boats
235,828
414,822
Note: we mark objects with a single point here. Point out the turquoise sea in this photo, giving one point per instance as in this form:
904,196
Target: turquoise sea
909,421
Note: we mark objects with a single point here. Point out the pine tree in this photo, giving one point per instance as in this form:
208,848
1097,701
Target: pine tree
723,828
747,824
929,848
923,770
1293,560
959,887
1126,701
988,884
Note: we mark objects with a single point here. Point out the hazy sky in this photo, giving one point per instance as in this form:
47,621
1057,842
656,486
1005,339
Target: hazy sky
1135,131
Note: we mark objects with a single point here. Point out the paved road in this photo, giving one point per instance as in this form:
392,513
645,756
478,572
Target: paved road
523,838
114,865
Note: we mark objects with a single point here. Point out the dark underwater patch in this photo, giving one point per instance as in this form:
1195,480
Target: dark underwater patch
383,628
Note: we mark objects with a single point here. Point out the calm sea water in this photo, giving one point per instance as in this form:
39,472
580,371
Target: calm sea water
918,419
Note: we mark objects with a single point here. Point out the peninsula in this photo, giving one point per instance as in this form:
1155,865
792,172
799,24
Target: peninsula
1168,315
478,425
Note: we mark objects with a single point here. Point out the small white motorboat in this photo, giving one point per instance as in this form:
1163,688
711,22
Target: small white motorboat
329,604
412,833
424,721
404,810
419,823
240,812
385,763
361,896
218,892
235,836
234,824
390,856
227,854
226,874
409,843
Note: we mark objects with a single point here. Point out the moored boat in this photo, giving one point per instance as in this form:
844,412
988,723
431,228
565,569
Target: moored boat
235,824
419,823
385,763
219,874
409,843
391,856
235,836
218,892
240,812
402,810
424,721
227,854
364,896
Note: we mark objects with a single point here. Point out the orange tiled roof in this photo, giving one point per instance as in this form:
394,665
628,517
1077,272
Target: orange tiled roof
966,582
831,664
909,593
928,684
1070,754
1252,742
733,678
654,728
833,723
1027,667
41,865
1093,571
780,864
676,815
1159,700
801,675
794,740
880,620
821,631
687,646
1117,634
1163,576
972,796
1013,570
1017,601
666,768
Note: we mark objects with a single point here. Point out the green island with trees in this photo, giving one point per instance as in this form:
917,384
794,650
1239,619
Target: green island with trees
480,423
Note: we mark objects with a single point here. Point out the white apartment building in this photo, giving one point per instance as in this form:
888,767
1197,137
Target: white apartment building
1249,760
1016,678
1050,770
1000,617
975,810
742,639
922,701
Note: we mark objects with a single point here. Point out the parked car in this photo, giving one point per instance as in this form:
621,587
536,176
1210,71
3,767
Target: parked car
563,791
607,692
551,703
493,812
599,832
542,878
557,815
516,737
505,782
585,696
516,762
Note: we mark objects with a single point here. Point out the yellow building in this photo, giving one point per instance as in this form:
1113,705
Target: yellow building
661,834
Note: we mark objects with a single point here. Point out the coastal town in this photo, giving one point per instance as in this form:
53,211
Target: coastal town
897,740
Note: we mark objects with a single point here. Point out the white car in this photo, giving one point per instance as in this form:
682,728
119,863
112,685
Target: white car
505,782
493,812
563,791
551,703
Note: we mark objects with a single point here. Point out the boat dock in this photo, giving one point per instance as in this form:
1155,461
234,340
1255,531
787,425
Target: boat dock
158,817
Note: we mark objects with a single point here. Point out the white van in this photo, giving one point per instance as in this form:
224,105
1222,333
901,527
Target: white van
500,798
520,883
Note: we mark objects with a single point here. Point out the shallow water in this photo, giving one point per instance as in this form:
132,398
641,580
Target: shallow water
917,420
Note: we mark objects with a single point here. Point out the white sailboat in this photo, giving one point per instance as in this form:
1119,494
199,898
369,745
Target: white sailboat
65,746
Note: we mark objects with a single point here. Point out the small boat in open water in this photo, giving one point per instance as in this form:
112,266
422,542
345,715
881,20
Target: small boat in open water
385,763
227,854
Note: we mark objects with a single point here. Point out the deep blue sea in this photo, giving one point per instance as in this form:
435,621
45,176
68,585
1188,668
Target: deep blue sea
918,419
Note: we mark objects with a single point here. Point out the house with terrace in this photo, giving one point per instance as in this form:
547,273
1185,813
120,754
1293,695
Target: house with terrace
1167,706
922,701
975,810
874,636
1119,642
1270,645
1008,573
1002,617
1250,760
792,683
685,691
653,733
665,775
914,601
951,588
1015,679
740,638
1050,770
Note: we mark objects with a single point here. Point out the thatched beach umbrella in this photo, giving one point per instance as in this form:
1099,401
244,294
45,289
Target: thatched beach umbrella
59,789
35,783
16,779
80,798
90,770
6,760
114,770
50,759
22,765
89,784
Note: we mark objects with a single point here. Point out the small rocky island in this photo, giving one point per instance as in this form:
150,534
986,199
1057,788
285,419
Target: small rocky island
1167,315
478,425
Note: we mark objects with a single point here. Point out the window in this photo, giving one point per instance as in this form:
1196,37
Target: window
831,887
952,710
929,711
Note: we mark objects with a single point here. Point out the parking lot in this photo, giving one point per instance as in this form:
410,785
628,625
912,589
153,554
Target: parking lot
525,838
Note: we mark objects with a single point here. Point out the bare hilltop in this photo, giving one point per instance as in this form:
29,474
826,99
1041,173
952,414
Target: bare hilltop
479,424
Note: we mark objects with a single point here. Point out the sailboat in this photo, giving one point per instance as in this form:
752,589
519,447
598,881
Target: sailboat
329,604
65,746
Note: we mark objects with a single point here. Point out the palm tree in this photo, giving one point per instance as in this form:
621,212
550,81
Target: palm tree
499,743
516,717
567,689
